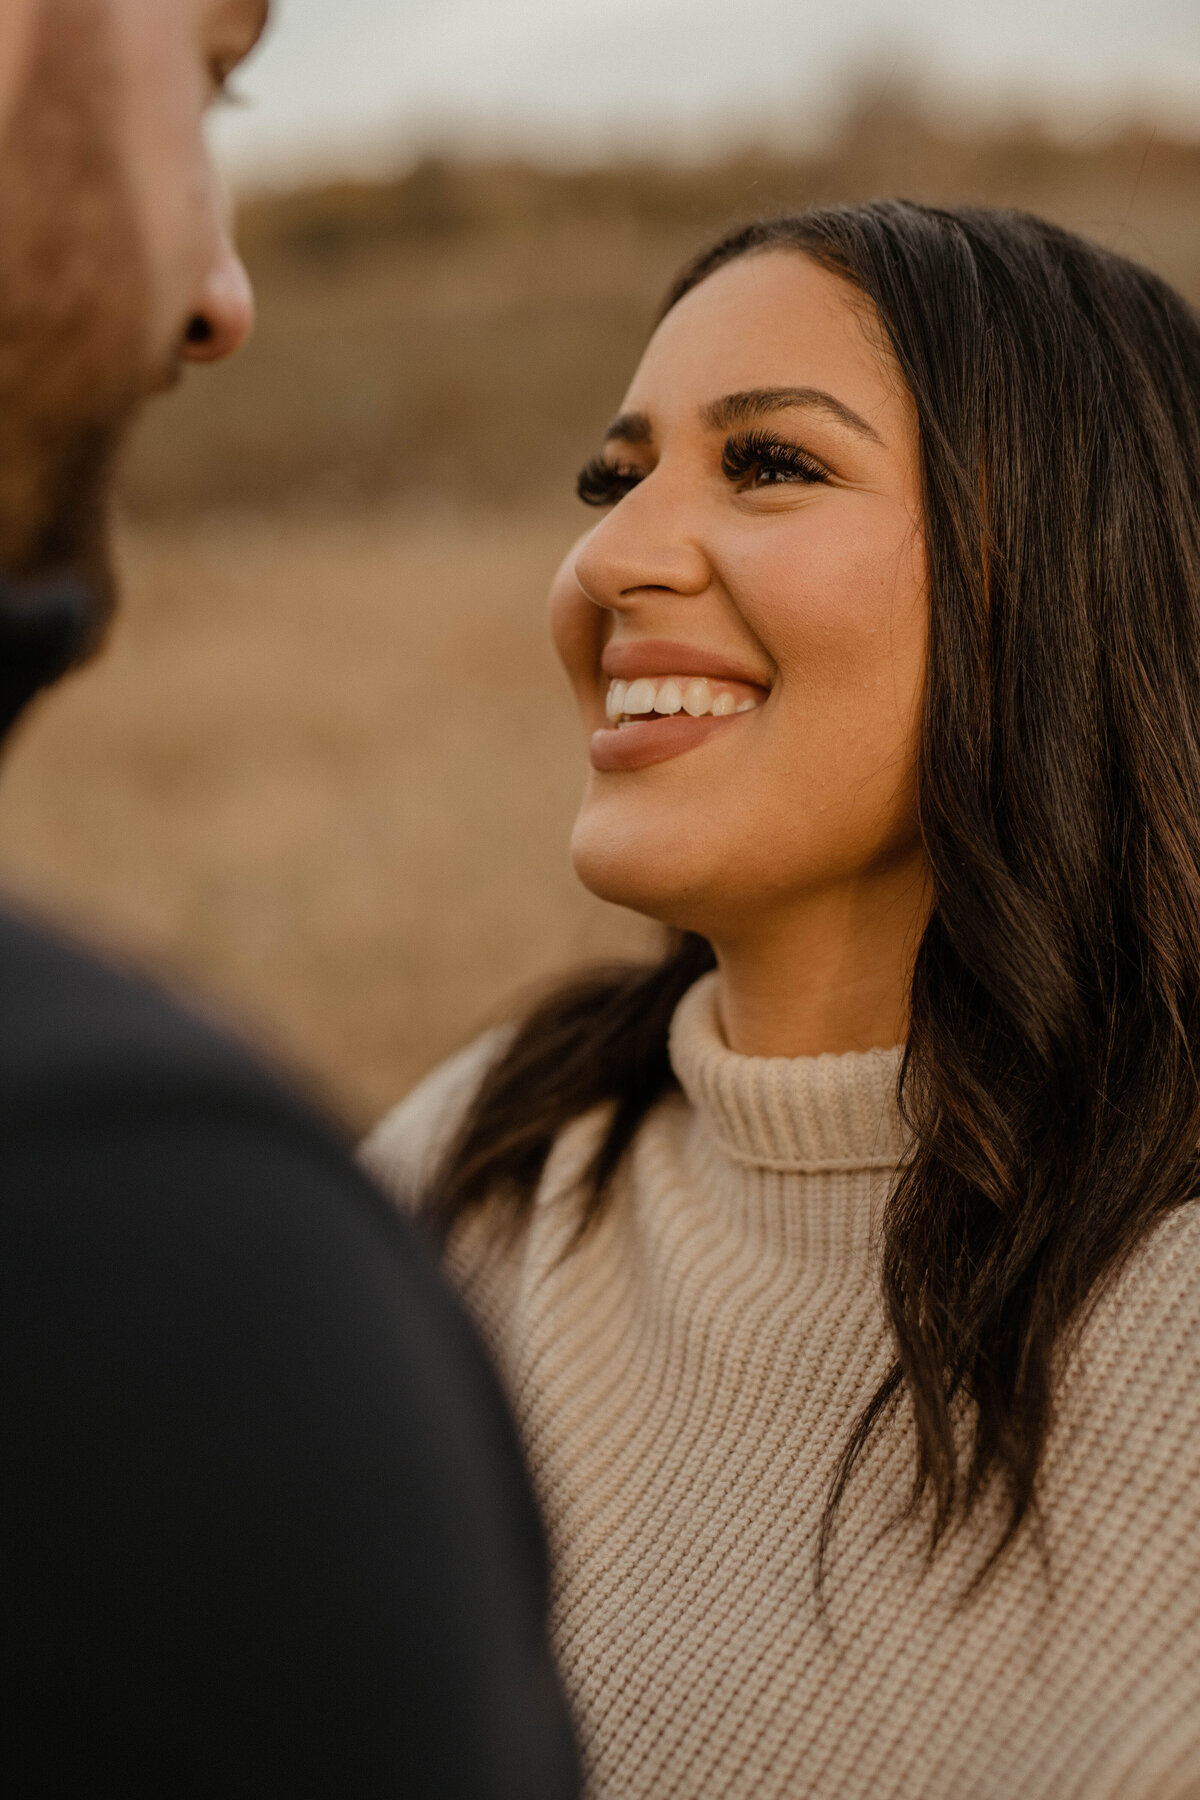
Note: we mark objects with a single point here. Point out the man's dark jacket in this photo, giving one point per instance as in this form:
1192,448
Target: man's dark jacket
265,1528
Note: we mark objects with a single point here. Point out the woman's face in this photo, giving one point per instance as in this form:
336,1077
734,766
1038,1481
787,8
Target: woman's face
757,578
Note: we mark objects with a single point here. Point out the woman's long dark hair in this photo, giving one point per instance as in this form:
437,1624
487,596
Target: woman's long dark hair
1050,1077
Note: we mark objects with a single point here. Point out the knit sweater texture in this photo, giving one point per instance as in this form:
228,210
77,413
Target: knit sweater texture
685,1379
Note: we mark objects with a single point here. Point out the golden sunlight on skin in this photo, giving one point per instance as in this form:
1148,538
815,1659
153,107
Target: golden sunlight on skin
786,834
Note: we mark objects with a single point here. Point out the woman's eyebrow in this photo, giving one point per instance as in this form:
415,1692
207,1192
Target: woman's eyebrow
754,403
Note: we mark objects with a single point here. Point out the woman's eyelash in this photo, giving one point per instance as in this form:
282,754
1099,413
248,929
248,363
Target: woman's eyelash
602,483
756,451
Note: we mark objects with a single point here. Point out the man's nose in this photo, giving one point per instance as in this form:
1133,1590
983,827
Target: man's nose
224,316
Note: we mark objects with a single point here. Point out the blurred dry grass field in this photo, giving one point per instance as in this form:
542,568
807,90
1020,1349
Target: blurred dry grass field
325,773
466,331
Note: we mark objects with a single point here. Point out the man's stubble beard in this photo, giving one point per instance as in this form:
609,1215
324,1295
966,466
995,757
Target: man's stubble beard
73,313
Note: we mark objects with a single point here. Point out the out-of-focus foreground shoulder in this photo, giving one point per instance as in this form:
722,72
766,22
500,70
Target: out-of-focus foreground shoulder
403,1150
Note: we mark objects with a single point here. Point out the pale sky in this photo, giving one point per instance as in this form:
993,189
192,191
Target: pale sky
360,83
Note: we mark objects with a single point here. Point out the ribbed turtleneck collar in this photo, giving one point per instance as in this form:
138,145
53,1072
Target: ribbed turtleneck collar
801,1114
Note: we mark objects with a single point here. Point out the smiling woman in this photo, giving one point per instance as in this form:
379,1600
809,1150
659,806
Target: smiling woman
767,538
844,1268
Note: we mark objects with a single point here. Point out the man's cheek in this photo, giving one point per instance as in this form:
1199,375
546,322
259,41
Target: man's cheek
16,40
166,159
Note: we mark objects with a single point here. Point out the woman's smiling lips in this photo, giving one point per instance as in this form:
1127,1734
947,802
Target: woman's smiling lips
666,698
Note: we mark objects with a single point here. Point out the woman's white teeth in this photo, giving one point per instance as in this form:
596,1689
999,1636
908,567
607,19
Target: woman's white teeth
614,706
639,696
671,694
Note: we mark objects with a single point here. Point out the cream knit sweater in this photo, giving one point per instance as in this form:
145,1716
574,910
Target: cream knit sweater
684,1382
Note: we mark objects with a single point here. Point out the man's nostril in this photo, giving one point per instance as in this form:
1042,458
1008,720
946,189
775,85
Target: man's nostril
199,330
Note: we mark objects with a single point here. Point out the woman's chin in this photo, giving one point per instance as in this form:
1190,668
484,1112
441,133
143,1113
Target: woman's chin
639,870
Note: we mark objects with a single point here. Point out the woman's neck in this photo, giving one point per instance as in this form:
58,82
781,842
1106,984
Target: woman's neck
830,974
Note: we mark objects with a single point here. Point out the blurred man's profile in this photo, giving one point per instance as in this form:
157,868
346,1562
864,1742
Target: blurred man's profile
266,1529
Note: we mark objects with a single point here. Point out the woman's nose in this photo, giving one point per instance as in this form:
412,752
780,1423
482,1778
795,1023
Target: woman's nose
644,547
224,315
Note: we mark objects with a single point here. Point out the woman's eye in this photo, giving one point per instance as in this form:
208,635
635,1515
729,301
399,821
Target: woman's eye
756,461
603,483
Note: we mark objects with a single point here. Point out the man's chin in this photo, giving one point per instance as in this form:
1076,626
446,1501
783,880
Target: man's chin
49,623
86,584
73,344
58,597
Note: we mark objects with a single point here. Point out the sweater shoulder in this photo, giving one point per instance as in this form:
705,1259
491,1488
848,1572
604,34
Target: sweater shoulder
1162,1277
1138,1359
403,1150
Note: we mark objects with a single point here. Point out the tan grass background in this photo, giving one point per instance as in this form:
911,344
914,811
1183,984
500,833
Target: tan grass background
324,775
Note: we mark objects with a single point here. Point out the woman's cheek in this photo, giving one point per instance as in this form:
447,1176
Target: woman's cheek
838,598
578,628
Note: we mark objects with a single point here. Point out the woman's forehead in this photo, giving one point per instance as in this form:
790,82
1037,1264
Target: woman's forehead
772,319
